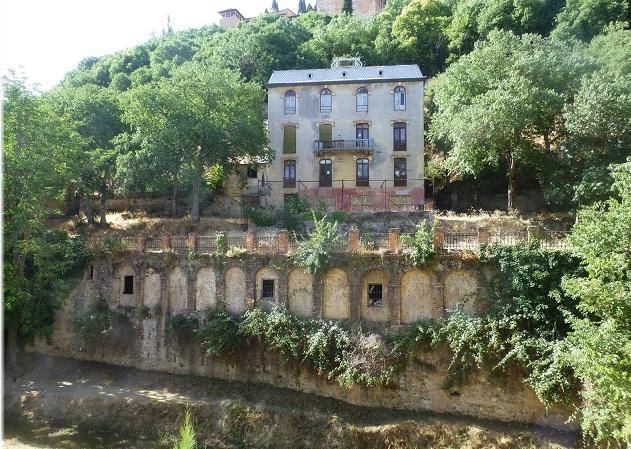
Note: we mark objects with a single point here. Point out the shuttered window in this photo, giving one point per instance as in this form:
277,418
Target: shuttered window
289,139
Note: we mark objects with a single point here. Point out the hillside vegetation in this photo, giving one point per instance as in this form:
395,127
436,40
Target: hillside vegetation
525,92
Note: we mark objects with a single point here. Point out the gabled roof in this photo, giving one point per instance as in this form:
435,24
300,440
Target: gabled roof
340,75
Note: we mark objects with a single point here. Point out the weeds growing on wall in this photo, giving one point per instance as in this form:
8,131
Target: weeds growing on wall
93,323
261,217
182,326
351,357
420,245
313,254
523,328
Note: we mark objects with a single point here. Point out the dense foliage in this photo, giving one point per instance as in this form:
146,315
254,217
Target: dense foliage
420,245
599,346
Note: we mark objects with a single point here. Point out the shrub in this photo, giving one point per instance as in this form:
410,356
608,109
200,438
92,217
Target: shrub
420,245
260,217
186,440
219,333
94,322
182,325
293,212
222,243
368,360
313,254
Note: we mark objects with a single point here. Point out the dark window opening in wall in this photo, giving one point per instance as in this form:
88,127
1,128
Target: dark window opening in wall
326,100
375,295
268,289
290,102
362,135
400,172
289,174
399,98
128,285
326,173
91,272
362,179
252,172
400,138
361,100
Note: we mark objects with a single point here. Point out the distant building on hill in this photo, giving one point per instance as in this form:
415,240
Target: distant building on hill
360,7
231,17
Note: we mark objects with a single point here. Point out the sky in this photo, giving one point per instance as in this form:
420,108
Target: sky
45,39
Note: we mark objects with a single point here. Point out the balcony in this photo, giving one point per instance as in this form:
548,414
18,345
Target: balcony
353,145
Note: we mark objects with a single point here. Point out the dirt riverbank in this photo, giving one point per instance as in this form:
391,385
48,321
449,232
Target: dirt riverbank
111,400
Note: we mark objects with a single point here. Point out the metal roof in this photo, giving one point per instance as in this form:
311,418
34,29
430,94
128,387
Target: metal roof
369,74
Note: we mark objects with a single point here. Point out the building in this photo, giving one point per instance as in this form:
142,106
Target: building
349,137
360,7
231,17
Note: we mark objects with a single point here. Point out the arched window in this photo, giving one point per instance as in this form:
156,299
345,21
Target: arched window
362,179
290,102
362,99
326,173
400,138
326,100
399,98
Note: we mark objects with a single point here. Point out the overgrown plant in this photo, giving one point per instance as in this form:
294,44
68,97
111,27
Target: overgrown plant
219,333
94,322
221,241
261,217
420,245
181,325
187,437
313,254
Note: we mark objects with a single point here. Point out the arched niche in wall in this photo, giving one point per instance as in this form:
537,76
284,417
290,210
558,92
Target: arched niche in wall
416,296
336,296
178,290
374,297
266,285
461,287
235,290
124,291
151,297
205,289
300,293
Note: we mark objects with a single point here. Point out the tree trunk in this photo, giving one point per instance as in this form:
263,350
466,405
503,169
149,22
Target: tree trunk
72,200
511,184
102,207
174,200
88,209
195,201
11,353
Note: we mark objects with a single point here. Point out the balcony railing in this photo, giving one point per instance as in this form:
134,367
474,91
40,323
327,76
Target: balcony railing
344,145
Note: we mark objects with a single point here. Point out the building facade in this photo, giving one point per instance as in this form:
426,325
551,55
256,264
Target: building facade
360,7
348,137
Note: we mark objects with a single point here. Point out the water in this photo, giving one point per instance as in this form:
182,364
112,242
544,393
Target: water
25,435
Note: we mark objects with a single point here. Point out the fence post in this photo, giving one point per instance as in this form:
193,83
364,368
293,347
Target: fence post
439,239
283,241
250,241
353,239
166,243
140,244
393,240
192,243
534,233
484,236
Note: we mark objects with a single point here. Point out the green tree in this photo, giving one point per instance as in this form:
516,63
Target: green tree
347,7
599,348
39,148
420,33
502,104
204,115
302,7
96,114
584,19
473,20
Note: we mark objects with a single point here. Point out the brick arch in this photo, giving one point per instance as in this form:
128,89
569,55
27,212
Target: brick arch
377,313
152,291
416,296
300,292
461,287
336,295
205,288
266,272
178,290
118,297
235,290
